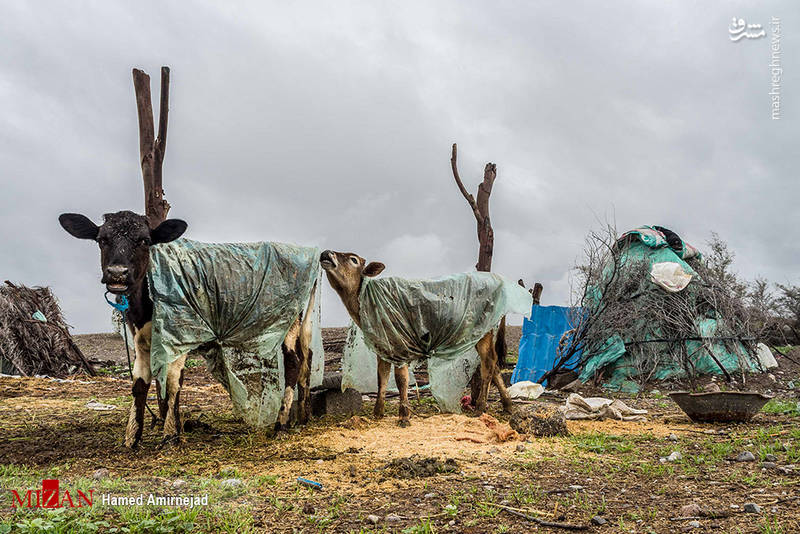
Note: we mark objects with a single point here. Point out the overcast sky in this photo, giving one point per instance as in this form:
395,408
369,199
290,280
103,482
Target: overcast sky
330,124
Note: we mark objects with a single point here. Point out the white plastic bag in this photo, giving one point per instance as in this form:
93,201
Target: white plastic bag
525,389
765,357
670,275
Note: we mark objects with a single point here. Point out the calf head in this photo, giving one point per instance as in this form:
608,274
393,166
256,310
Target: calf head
345,271
124,239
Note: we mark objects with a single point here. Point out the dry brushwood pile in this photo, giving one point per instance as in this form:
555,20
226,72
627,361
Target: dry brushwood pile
659,323
31,346
708,321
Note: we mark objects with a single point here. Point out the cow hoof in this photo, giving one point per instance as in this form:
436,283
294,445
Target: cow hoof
131,443
403,423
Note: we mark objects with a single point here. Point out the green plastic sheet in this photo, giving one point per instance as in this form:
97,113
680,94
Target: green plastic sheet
646,244
233,304
440,320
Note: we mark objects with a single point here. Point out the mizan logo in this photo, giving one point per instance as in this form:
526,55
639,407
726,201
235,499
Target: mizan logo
50,496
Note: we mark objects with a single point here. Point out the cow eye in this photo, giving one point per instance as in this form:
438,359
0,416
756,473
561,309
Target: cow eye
144,241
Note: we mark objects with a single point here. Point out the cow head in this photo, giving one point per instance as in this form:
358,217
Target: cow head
345,271
124,239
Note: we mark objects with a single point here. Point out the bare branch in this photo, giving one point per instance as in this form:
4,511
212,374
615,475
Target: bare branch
151,150
144,108
460,184
163,115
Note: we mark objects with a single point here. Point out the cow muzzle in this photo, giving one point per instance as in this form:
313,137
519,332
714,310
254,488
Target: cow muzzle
327,260
116,279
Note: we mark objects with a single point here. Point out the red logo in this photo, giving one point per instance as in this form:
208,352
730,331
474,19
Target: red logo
50,496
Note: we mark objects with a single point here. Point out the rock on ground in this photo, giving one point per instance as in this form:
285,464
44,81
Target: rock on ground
690,510
752,508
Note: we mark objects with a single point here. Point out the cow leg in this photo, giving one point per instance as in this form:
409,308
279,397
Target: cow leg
401,377
501,387
383,380
475,386
162,402
291,371
141,384
306,358
172,423
304,389
486,352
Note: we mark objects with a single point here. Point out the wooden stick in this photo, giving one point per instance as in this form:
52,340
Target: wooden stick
542,522
522,510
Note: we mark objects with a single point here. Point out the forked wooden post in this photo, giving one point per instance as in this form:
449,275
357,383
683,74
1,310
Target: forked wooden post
480,208
151,146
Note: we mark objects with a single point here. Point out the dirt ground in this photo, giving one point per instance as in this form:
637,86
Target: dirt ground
444,473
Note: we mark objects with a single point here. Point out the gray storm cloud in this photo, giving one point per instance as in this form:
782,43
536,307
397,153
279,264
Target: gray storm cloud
330,123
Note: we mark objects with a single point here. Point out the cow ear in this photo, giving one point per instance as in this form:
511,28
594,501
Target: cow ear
78,225
373,269
168,230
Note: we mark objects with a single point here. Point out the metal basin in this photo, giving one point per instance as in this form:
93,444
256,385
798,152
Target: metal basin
720,406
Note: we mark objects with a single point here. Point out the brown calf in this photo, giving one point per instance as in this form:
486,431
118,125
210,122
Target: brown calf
346,272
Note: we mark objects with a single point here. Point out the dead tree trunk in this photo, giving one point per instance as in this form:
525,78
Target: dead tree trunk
152,146
480,208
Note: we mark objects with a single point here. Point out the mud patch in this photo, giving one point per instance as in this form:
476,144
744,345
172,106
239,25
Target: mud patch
415,466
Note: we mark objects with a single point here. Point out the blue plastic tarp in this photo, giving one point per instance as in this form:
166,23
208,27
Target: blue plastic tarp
538,346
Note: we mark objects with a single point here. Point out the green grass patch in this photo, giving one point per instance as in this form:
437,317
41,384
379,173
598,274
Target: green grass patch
778,406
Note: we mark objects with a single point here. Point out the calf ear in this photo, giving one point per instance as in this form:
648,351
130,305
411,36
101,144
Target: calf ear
78,225
168,230
373,269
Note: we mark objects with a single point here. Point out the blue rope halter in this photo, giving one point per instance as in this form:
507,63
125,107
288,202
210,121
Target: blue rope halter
121,306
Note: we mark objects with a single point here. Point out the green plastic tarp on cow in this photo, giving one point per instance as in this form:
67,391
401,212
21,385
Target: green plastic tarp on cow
233,303
440,320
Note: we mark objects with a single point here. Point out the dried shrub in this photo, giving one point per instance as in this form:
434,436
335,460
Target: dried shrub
32,346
